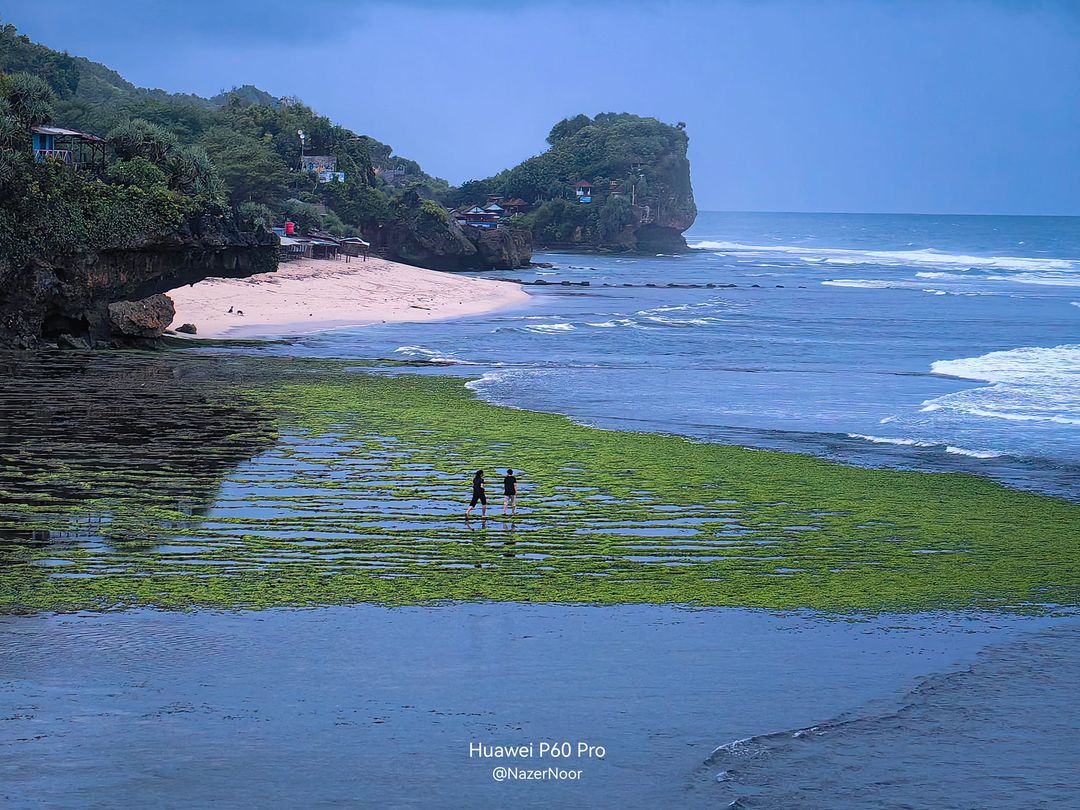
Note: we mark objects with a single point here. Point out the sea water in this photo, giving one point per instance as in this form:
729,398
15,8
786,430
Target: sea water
926,342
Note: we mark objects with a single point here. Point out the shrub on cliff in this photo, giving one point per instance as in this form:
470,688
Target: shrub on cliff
50,209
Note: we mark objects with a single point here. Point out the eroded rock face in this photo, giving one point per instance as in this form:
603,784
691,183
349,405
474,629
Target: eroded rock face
426,236
501,249
66,300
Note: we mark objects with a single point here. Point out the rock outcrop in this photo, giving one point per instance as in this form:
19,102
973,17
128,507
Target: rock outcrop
613,182
425,235
112,297
138,320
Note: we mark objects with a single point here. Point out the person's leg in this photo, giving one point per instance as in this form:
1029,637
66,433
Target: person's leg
513,504
506,499
483,505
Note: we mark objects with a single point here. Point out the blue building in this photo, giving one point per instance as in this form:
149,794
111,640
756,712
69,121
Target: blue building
68,146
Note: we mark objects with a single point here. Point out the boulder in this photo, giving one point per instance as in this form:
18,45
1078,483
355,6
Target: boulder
147,318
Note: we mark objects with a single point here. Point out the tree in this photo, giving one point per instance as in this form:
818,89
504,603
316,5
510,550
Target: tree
250,168
140,138
29,100
616,215
567,128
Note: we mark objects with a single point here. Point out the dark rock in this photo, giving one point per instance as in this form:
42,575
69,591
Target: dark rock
66,341
425,235
148,318
187,328
51,297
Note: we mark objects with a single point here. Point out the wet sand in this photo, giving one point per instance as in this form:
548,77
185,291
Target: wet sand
312,295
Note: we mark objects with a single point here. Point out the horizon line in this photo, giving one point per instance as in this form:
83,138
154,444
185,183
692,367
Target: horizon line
881,213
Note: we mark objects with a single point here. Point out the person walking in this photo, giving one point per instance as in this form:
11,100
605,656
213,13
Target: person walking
478,495
510,492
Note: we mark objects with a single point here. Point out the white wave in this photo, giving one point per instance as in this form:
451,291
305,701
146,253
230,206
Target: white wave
910,258
550,327
956,451
682,321
889,440
1031,384
1061,280
424,353
1026,364
433,356
1075,303
862,283
960,451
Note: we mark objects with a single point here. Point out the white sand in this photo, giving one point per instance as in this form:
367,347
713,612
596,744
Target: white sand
310,295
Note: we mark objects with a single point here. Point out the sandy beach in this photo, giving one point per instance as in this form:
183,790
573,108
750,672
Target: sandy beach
311,295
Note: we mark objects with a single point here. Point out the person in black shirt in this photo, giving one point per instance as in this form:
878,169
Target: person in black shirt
510,492
478,495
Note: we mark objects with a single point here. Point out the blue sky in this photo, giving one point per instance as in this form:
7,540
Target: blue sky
960,106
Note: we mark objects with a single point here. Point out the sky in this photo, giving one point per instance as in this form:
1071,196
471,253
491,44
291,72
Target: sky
920,106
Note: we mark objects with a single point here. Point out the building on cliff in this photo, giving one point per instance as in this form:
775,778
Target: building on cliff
324,166
583,191
479,217
69,146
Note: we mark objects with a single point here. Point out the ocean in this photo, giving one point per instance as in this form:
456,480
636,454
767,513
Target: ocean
942,343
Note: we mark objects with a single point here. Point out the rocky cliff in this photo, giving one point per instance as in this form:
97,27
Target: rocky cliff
425,235
75,298
612,182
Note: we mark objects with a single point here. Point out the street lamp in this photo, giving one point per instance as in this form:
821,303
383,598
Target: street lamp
300,132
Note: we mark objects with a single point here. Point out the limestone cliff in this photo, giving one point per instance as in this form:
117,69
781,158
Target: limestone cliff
425,235
613,182
64,298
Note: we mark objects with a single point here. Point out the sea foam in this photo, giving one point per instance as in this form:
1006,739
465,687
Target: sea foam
1020,269
1029,384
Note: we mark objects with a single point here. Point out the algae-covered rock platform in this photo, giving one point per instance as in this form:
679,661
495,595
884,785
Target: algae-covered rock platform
200,480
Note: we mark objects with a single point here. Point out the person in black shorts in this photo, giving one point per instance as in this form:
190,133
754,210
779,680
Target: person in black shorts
510,492
478,495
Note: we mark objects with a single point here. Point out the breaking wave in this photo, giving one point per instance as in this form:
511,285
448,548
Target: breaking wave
1020,269
1029,384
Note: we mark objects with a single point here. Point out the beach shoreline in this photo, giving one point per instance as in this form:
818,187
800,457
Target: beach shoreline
313,295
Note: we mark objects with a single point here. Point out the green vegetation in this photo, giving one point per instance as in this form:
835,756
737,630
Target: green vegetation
249,135
48,209
361,499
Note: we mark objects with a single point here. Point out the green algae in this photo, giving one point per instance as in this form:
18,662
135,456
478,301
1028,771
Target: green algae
353,485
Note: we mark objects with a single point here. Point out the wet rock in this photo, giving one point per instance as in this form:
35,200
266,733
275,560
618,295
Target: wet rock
66,341
187,328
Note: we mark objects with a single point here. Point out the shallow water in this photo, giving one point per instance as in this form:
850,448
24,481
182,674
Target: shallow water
938,343
371,706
